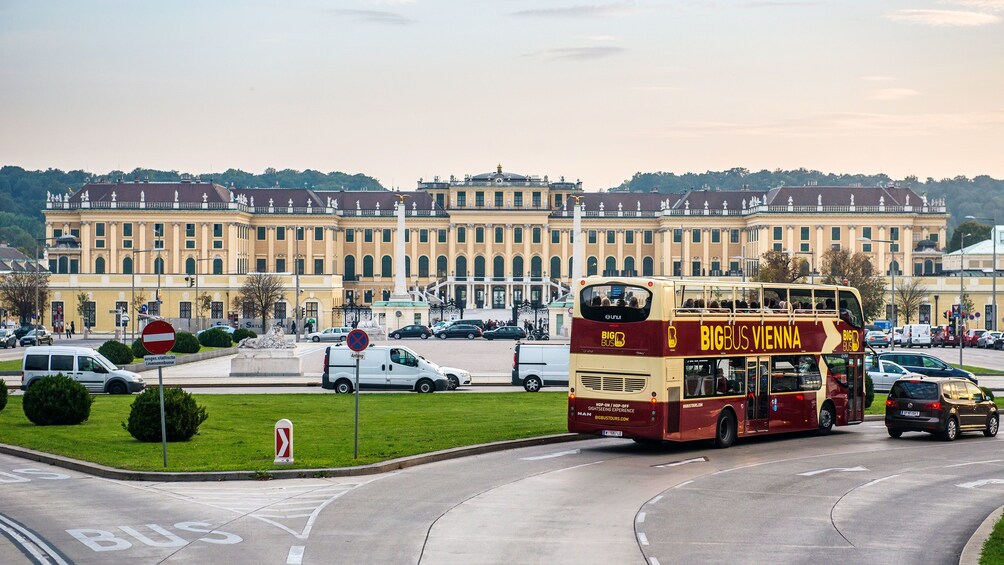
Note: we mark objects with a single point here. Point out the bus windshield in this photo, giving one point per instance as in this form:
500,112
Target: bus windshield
615,303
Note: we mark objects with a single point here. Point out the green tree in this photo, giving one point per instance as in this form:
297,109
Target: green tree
975,233
82,299
779,267
22,291
857,269
909,296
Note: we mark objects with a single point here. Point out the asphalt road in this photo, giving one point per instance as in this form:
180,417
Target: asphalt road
856,496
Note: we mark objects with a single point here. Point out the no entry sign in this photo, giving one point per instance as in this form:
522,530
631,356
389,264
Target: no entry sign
158,337
283,441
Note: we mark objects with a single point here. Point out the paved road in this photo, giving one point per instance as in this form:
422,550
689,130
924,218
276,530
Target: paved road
856,496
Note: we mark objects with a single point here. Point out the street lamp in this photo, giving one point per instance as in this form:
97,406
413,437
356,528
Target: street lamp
892,292
198,300
297,230
132,299
993,291
63,239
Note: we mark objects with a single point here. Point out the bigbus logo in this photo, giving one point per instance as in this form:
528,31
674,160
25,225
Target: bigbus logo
612,339
852,340
672,337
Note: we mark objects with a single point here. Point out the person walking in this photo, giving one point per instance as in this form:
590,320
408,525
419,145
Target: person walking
73,328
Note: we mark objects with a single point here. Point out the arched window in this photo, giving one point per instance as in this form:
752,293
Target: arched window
555,267
479,266
407,266
894,267
498,267
127,266
647,267
517,266
158,266
99,265
536,267
461,266
350,268
367,265
591,265
570,269
423,266
64,265
441,263
610,267
928,267
386,266
629,267
217,266
190,266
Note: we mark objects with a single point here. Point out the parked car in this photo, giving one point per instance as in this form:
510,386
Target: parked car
926,365
506,332
44,337
944,336
460,330
987,340
884,373
83,364
470,322
971,337
23,331
330,334
897,336
944,406
917,335
877,339
384,367
414,330
457,377
226,329
8,338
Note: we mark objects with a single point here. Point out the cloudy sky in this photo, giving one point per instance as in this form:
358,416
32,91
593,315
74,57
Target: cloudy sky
589,89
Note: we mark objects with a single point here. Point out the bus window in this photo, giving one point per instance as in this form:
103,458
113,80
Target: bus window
690,299
775,299
801,300
792,373
713,377
721,300
615,303
850,309
825,301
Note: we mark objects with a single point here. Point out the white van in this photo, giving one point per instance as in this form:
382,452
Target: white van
384,367
535,365
917,335
83,364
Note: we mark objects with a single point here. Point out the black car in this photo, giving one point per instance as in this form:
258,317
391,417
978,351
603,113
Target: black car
505,332
414,330
946,407
23,331
460,330
44,338
8,339
926,365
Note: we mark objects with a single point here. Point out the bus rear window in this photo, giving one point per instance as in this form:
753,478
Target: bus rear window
615,303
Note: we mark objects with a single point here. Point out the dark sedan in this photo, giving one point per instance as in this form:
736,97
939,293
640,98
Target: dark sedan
44,337
8,339
414,330
460,330
505,332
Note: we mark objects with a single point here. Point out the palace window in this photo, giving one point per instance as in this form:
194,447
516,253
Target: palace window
280,233
189,230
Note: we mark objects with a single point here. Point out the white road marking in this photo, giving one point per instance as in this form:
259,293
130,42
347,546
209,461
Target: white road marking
295,556
973,463
984,482
550,455
841,469
642,538
578,466
658,498
678,463
31,542
653,561
870,483
683,484
640,518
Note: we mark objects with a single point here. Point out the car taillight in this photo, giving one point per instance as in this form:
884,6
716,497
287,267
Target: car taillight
890,403
514,360
934,406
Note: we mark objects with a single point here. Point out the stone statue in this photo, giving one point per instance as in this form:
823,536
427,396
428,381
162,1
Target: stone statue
819,200
274,339
790,200
114,196
205,197
852,200
142,196
290,202
252,201
175,195
271,203
881,200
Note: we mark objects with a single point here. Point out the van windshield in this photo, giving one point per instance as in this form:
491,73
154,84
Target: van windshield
104,361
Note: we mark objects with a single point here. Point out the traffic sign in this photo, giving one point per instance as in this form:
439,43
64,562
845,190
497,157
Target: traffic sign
160,360
283,442
158,337
357,340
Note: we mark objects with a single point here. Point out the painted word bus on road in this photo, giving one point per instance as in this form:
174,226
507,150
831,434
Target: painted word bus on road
677,360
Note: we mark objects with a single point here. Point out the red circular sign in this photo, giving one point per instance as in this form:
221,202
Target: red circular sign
158,337
357,340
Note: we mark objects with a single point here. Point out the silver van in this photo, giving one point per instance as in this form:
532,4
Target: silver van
83,364
384,367
536,365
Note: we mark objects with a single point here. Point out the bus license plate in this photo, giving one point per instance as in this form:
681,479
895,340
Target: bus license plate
613,433
913,413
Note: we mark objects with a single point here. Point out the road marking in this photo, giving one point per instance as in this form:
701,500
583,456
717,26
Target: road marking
550,455
870,483
973,463
653,561
683,484
841,469
642,538
640,518
656,499
984,482
30,542
684,462
295,556
578,466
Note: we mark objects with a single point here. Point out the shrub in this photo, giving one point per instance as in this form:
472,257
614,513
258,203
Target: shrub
869,390
116,352
3,395
181,413
243,333
185,342
215,338
138,350
56,400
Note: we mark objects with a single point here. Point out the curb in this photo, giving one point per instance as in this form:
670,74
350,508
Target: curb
974,547
372,469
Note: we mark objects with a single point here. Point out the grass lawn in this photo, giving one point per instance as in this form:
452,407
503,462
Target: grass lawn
239,432
993,548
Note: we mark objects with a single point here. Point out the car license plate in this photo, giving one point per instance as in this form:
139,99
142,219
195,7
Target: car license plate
913,413
613,433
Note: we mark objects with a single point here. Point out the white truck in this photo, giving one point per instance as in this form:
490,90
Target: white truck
536,365
917,335
383,367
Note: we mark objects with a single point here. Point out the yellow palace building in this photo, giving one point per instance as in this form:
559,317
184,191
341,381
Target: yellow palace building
487,241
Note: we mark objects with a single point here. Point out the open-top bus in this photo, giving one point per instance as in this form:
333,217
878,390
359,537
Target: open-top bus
657,359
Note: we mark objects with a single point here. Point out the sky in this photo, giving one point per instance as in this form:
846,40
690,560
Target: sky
594,90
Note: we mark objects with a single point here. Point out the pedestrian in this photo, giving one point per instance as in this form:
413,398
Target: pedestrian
293,330
73,329
66,332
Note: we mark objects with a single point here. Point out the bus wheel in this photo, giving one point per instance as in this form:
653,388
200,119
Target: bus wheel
726,430
826,419
343,386
531,384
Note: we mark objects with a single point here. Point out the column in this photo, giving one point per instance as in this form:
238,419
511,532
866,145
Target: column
666,261
113,265
639,260
706,250
86,244
270,235
175,251
578,246
136,258
906,245
400,285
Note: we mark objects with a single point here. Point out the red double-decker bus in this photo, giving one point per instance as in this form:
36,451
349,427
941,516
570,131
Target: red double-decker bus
675,360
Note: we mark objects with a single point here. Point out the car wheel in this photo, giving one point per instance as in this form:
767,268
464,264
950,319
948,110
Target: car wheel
470,336
726,430
425,386
826,419
395,335
992,424
454,382
442,336
315,339
117,387
425,336
532,384
343,386
893,432
951,430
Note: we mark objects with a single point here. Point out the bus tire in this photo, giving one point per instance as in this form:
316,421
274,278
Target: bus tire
826,418
726,430
532,384
343,386
425,386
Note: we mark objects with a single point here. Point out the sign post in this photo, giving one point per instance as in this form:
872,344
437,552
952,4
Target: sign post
358,341
283,442
158,338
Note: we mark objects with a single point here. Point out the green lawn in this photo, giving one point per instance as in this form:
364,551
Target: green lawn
993,548
239,432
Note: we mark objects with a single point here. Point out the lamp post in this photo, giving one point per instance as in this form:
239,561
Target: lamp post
892,292
132,299
993,290
63,239
198,300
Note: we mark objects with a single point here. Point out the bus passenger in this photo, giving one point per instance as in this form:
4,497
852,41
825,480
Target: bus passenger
723,384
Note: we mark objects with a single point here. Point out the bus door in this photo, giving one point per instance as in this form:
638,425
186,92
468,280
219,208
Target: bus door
855,389
757,394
